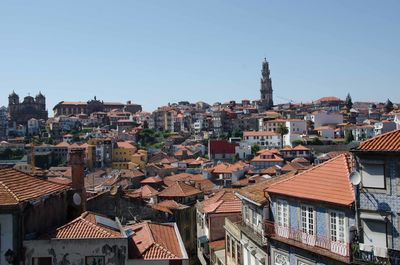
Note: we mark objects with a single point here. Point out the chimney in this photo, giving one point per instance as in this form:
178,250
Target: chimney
76,161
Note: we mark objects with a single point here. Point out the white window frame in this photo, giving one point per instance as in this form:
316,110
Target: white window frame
281,207
305,219
334,226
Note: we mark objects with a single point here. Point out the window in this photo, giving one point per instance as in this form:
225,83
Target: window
233,245
41,261
337,226
228,244
239,253
254,217
373,176
95,260
246,213
307,219
282,213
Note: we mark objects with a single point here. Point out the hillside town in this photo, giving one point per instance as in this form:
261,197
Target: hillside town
95,182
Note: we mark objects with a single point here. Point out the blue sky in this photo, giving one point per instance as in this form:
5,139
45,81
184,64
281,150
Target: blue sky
155,52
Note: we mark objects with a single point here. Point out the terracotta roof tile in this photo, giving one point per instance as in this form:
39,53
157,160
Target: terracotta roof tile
389,141
224,201
143,192
327,182
86,226
170,180
218,244
156,241
149,180
256,192
168,205
17,187
179,189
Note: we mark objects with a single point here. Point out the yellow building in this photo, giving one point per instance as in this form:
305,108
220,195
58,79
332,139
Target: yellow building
122,155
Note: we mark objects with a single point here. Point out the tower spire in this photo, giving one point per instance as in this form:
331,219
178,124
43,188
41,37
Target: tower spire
266,87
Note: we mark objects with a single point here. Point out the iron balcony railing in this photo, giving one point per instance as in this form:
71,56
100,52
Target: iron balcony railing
318,242
373,255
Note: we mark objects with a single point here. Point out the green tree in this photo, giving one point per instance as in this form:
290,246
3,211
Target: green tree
349,102
349,137
282,130
255,148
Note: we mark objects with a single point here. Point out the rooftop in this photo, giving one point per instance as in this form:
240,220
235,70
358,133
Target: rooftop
224,201
88,225
179,189
156,241
389,141
326,182
17,187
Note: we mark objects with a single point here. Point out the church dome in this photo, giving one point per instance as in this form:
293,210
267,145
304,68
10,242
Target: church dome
29,99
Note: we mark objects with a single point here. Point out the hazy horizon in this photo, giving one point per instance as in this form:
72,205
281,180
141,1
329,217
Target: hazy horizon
155,52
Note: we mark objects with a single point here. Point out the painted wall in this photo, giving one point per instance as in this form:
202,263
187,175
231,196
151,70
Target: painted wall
386,200
74,252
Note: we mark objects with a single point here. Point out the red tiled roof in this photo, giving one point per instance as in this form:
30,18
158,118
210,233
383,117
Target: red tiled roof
156,241
179,189
84,227
168,205
229,168
144,191
301,148
327,99
327,182
389,141
17,187
256,192
149,180
224,201
125,145
170,180
218,244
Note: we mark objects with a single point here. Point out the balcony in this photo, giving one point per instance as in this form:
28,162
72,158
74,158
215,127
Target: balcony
320,245
254,232
369,256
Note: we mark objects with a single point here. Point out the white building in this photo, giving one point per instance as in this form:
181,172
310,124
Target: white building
243,150
323,117
33,126
289,138
326,132
363,131
296,126
384,127
262,138
397,119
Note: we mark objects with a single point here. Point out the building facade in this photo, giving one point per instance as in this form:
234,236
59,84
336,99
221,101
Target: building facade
30,107
266,87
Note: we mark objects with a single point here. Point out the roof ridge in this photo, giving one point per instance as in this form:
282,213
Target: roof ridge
377,137
9,191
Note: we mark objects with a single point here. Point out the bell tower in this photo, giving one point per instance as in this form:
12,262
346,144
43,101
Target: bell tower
266,87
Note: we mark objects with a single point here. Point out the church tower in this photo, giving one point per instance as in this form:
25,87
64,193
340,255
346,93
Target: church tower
266,87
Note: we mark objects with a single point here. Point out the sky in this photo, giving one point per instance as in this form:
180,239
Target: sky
156,52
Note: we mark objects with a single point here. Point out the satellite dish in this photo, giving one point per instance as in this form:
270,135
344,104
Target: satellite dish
76,198
355,178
